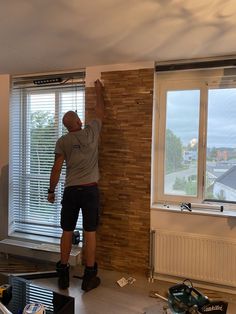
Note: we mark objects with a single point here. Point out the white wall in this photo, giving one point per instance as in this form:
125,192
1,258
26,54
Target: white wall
93,73
4,152
194,223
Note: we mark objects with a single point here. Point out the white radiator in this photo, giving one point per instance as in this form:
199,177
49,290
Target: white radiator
200,257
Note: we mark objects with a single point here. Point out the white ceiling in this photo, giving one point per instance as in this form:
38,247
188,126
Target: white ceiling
47,35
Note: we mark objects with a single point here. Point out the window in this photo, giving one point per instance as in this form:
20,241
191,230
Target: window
35,125
194,137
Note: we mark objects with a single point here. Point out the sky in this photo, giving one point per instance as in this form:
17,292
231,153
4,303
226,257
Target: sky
183,116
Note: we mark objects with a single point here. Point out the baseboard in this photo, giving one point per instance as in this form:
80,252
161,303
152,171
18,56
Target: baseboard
196,283
38,250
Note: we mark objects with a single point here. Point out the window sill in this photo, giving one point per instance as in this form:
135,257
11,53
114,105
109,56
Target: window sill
34,238
194,211
37,247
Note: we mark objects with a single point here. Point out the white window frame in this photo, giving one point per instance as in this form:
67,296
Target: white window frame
24,129
182,80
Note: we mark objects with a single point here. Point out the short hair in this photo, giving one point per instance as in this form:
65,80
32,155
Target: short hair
69,117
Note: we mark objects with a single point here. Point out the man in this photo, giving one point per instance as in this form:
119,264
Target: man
79,149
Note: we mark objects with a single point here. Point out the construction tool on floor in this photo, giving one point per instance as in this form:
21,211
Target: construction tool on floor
5,294
183,298
34,308
5,298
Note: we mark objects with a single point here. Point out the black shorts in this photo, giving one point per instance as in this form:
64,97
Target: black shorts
84,197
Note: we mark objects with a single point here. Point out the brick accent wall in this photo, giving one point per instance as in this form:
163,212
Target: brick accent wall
125,168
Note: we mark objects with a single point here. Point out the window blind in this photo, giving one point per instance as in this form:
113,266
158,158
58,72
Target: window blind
35,125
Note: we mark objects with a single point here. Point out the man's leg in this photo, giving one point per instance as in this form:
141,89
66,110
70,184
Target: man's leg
69,216
66,244
90,247
90,212
90,279
63,266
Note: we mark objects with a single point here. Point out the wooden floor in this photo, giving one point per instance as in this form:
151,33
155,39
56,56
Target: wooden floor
109,298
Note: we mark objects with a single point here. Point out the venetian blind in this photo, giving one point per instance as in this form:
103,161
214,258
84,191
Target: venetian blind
37,107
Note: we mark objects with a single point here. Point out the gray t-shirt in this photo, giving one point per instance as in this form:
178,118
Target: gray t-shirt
80,150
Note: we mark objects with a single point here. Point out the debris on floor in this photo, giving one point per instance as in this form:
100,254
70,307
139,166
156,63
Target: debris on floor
123,281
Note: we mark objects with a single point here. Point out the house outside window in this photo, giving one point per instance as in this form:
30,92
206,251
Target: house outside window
194,147
35,125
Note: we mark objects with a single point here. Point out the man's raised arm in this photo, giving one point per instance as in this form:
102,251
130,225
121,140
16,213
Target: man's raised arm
99,108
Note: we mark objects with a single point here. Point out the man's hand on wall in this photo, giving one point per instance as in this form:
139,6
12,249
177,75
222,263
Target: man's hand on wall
98,87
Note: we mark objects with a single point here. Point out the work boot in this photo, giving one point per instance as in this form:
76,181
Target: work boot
90,279
63,275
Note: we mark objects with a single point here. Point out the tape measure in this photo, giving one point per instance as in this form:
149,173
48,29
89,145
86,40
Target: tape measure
34,308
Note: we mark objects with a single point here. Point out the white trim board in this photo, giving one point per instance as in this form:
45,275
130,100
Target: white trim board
38,250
